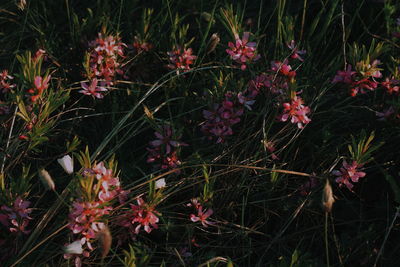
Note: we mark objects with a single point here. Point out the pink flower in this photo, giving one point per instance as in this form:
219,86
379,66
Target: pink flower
106,54
181,59
16,218
348,173
162,151
295,52
109,185
5,85
86,220
93,89
283,68
243,52
392,86
220,120
201,215
40,85
140,215
166,139
141,46
296,111
344,76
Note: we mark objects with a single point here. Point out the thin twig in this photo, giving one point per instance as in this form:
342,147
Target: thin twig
344,36
8,139
387,235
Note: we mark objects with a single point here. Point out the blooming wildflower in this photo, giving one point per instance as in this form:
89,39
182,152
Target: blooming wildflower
16,218
41,84
74,248
361,85
5,85
283,68
67,164
243,52
93,89
140,215
141,46
105,58
164,138
296,111
247,98
220,120
359,82
344,76
391,86
162,151
296,54
181,59
109,185
85,219
348,173
160,183
201,215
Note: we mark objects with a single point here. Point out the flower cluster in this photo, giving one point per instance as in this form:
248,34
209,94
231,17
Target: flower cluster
40,84
348,173
140,215
163,150
181,59
296,112
109,185
141,46
222,117
201,213
86,219
296,53
391,85
359,81
242,51
105,58
16,218
5,82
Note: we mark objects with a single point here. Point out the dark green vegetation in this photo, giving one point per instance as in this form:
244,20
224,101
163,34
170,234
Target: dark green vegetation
267,211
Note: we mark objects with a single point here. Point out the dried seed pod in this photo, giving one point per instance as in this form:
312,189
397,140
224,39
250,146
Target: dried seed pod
212,44
327,197
46,179
105,240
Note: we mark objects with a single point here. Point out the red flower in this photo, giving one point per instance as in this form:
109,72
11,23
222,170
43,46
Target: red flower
140,215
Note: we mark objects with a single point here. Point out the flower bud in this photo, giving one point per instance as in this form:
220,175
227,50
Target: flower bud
67,163
160,183
74,248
